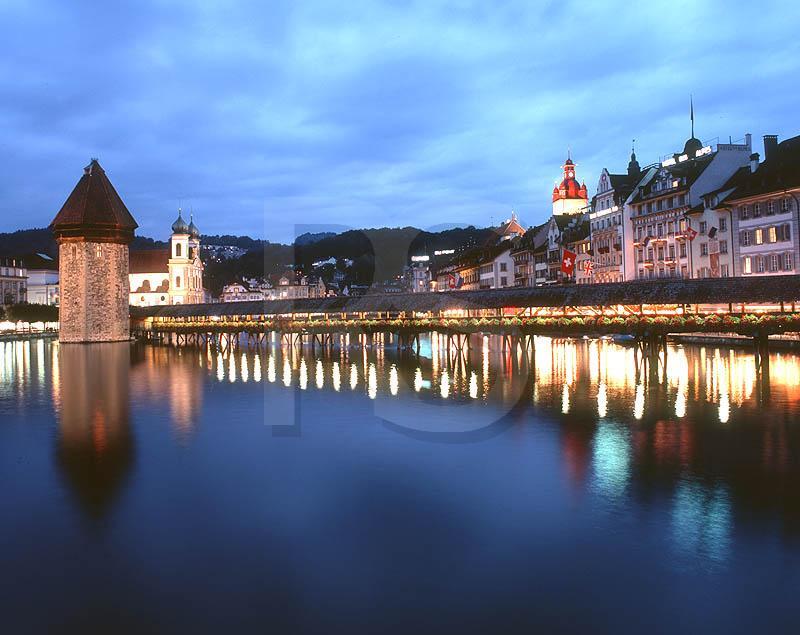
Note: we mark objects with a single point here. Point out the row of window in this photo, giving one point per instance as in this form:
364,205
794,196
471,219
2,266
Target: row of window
662,253
661,204
770,208
770,263
761,235
659,230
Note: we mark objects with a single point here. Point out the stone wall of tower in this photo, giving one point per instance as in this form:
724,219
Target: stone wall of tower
94,291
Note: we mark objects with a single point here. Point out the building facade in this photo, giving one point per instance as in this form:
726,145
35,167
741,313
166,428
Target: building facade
42,279
607,229
13,281
659,211
765,211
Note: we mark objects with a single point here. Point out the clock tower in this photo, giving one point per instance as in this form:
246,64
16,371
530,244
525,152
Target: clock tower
569,197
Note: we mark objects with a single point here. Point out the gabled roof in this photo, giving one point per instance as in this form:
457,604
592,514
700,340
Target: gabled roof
149,261
40,262
94,210
779,172
690,170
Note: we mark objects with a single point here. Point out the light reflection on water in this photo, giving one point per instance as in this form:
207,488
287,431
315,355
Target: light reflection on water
701,458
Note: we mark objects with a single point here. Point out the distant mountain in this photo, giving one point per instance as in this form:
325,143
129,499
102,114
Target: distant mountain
309,238
378,254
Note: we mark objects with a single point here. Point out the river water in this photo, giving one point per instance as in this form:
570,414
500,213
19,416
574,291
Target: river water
567,488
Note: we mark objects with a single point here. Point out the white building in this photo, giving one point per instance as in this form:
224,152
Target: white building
238,292
497,270
169,276
658,214
764,210
42,279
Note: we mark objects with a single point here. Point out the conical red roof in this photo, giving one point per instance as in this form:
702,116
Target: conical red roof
94,210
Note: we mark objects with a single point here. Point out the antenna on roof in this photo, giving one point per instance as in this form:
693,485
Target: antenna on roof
691,112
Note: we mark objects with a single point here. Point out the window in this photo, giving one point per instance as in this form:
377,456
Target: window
760,265
98,251
759,236
503,281
660,230
757,210
683,250
671,227
703,249
723,246
744,239
773,262
723,271
723,224
772,233
503,266
672,252
639,255
177,282
786,234
784,205
787,262
744,212
747,265
650,253
703,226
178,250
770,208
661,253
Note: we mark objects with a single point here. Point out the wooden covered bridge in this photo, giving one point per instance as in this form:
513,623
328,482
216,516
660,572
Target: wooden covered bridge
648,310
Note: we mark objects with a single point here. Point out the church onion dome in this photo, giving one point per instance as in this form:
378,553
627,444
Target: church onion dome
193,231
692,146
180,226
569,188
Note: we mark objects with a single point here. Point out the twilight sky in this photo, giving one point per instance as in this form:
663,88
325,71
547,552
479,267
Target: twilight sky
269,117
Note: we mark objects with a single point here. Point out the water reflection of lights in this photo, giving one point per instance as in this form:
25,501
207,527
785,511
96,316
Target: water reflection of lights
473,385
372,381
602,401
271,374
638,402
287,372
303,375
444,385
319,374
353,376
257,369
418,380
611,459
220,368
245,371
701,521
565,399
393,380
337,377
231,369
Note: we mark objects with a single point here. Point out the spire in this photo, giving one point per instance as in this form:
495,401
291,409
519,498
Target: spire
180,226
633,164
691,112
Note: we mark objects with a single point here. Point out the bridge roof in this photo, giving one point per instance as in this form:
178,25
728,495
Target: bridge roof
753,290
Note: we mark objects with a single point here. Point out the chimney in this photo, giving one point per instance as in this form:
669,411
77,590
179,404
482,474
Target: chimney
770,146
748,141
753,162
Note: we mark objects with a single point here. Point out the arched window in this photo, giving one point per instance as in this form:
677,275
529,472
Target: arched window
177,282
178,251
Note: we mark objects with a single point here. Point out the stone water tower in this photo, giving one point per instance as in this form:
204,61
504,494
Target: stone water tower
93,231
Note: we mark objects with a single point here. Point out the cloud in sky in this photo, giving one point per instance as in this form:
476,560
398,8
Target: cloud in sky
262,116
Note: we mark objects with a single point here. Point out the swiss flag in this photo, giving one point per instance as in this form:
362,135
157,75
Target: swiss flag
690,233
568,262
